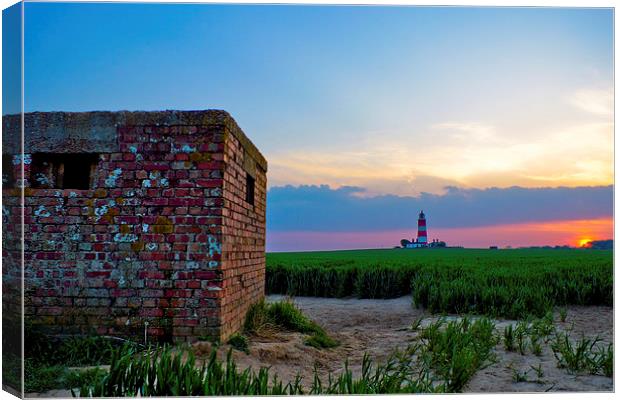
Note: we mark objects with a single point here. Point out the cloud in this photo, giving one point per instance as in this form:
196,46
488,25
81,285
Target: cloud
466,154
467,131
595,101
322,208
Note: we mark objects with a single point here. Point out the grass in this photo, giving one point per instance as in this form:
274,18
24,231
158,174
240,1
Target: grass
43,377
444,359
521,332
457,349
163,372
394,376
72,351
11,369
507,283
40,377
604,360
77,379
522,284
537,330
48,359
417,323
536,347
509,338
320,341
239,342
582,355
263,317
518,376
563,314
543,327
540,373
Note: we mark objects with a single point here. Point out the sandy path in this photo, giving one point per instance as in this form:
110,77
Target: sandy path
587,321
371,326
378,327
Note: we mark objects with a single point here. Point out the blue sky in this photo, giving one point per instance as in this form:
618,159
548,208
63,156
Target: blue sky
299,77
396,100
11,59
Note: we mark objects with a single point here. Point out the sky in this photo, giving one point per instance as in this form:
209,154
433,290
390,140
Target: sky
498,122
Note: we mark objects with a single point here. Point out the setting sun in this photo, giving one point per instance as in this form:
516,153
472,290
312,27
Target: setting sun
583,242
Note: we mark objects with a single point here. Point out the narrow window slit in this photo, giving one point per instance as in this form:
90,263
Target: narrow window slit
249,189
8,172
63,171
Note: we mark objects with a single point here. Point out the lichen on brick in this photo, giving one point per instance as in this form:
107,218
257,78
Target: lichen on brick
163,220
125,237
214,246
200,157
137,246
110,181
41,211
186,148
42,179
19,159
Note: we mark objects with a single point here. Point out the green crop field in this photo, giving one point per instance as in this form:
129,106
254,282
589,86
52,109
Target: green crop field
507,283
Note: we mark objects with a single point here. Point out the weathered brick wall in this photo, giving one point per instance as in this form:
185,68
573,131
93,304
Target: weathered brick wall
12,246
243,261
12,306
144,247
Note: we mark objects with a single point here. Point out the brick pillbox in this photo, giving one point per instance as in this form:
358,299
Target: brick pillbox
133,222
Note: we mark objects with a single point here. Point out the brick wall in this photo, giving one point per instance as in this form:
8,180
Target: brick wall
243,261
158,242
12,316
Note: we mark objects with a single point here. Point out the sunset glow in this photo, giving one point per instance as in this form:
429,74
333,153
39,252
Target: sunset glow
551,233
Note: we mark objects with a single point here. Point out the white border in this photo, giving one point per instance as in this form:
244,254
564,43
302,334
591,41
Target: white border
479,3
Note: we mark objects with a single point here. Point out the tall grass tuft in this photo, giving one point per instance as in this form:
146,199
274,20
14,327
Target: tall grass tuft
457,349
162,372
47,358
509,338
582,355
263,316
239,342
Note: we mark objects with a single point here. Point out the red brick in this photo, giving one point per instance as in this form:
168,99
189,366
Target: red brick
152,256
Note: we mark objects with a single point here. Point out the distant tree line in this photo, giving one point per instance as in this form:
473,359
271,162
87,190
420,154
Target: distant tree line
600,244
435,243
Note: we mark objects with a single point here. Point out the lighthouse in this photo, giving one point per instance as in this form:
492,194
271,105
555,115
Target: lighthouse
422,235
422,240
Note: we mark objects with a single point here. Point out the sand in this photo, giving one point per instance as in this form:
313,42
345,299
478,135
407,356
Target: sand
378,327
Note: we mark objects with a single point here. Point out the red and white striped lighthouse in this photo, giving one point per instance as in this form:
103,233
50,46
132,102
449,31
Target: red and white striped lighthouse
422,235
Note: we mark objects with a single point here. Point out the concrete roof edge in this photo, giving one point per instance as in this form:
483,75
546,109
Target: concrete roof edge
11,123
